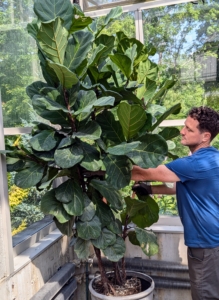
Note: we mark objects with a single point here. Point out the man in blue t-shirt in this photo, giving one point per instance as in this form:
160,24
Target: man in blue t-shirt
197,191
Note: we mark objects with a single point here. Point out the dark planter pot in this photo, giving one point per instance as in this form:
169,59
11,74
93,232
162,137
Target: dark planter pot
147,286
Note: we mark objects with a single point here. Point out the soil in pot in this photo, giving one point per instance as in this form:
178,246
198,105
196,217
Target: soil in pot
132,285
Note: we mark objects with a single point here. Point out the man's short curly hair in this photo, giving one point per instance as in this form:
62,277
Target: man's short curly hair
208,119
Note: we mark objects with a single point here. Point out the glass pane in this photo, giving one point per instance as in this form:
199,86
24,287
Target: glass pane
125,23
18,60
24,203
186,38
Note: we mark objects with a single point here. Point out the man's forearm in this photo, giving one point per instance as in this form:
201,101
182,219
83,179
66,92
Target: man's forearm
162,189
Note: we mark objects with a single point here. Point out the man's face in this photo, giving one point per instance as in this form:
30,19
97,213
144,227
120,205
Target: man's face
190,134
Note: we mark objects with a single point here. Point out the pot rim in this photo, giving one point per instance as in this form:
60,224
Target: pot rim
137,296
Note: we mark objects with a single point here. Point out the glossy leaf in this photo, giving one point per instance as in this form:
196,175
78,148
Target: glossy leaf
81,248
53,39
29,177
131,118
111,128
49,205
65,76
173,110
65,228
123,148
91,131
65,191
91,160
123,62
133,206
116,251
169,132
148,241
76,205
14,164
43,141
80,23
148,214
89,229
89,210
151,152
78,47
115,226
118,169
108,192
105,239
35,88
104,213
68,157
47,10
44,103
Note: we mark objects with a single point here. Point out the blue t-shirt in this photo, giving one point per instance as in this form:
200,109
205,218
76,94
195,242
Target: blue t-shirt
198,196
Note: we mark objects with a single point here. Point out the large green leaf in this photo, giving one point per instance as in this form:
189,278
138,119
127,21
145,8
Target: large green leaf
151,152
113,14
68,157
78,47
147,90
112,195
164,88
116,251
173,110
123,62
89,229
106,40
80,23
76,206
29,177
133,206
147,215
123,148
14,164
81,248
89,210
91,160
148,70
65,76
111,128
105,239
65,191
118,170
91,131
148,241
49,205
104,213
47,10
115,226
42,103
35,88
97,55
169,132
65,228
132,118
88,100
43,141
53,39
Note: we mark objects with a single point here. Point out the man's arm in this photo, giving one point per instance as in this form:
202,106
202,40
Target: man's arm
161,173
162,189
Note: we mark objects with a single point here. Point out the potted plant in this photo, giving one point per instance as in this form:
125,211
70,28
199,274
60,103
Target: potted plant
93,119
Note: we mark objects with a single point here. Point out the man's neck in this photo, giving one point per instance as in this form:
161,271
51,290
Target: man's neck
197,147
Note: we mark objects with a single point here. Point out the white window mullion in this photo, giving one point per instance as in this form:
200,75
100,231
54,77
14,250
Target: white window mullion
6,253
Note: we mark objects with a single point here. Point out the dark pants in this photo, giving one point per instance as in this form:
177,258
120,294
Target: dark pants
204,273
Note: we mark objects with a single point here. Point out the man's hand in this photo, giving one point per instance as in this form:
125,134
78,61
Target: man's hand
142,189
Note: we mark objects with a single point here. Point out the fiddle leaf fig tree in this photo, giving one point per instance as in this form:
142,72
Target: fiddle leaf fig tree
93,121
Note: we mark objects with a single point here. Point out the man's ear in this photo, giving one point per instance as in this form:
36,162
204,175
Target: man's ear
206,136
